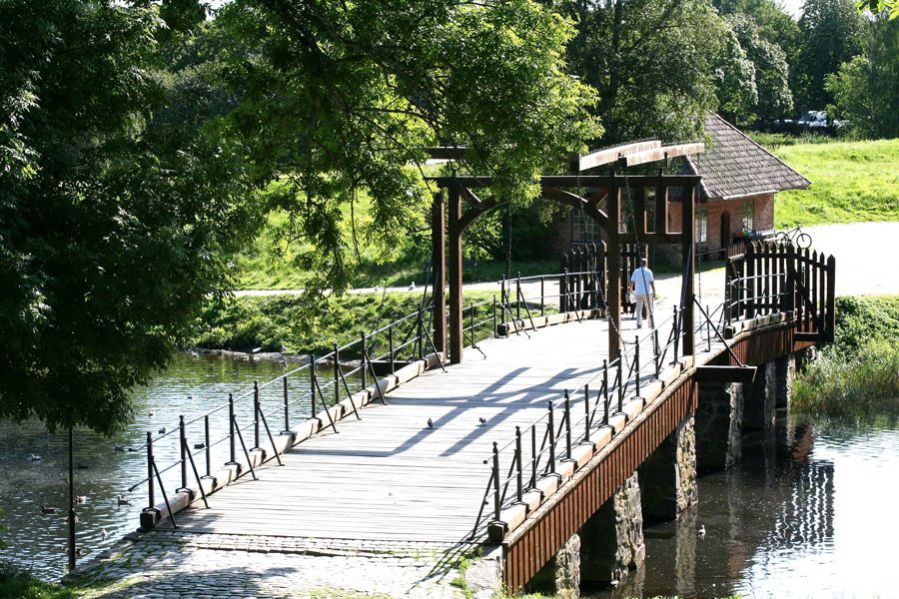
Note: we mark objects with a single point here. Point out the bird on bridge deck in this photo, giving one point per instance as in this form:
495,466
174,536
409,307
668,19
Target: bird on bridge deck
162,431
47,510
103,533
122,501
35,458
482,421
80,498
151,413
701,531
430,423
412,286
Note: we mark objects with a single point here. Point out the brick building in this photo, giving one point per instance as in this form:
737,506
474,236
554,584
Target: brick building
739,181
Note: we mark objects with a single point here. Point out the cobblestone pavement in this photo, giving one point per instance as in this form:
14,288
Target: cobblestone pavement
170,564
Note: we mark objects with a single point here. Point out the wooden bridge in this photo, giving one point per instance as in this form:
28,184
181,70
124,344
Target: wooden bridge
551,403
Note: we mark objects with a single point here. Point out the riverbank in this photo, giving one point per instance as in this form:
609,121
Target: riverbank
856,378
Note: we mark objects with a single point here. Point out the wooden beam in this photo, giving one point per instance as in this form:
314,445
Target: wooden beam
456,341
725,374
657,154
438,249
609,155
574,181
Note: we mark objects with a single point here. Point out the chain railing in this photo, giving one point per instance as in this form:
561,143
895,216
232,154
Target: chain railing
247,419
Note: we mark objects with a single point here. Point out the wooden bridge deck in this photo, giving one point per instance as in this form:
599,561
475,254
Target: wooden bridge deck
388,476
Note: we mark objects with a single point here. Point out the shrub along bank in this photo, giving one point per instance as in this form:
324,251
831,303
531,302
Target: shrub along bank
858,376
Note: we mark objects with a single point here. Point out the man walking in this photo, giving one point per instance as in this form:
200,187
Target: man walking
644,287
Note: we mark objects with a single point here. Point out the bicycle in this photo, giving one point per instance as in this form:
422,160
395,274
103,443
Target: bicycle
795,236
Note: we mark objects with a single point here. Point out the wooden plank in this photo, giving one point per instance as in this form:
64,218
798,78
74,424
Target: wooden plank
609,155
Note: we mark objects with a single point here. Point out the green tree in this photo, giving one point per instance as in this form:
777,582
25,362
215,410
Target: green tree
339,97
830,34
771,69
865,88
116,214
652,62
736,90
879,6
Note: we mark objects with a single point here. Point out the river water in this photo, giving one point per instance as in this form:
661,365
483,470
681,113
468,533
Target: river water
809,515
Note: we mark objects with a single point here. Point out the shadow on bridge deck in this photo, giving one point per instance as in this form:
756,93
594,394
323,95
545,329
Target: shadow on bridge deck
389,476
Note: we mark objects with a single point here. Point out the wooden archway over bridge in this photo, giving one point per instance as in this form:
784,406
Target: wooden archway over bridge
465,207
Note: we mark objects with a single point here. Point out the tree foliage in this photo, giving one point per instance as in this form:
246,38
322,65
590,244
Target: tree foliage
116,214
736,81
830,34
865,88
338,97
771,69
652,62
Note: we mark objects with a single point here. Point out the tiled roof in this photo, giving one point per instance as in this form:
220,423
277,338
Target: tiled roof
735,166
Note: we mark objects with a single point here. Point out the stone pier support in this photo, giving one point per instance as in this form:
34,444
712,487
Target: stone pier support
612,539
718,426
759,400
561,576
668,476
784,373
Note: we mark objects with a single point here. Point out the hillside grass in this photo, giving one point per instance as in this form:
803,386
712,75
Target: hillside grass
854,181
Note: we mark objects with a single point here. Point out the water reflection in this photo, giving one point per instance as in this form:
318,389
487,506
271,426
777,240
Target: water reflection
191,386
809,518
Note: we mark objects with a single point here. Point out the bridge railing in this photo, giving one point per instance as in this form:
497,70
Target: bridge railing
773,277
251,420
520,465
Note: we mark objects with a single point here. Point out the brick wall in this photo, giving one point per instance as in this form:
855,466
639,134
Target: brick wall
763,216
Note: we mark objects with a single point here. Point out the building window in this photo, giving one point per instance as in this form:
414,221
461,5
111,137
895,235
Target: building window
584,229
702,225
748,206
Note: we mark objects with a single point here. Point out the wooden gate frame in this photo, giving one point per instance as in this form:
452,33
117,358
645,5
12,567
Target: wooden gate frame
459,190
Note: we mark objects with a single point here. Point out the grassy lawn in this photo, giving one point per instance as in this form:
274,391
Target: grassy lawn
851,182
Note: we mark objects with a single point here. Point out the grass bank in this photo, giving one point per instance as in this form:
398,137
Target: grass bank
857,377
851,182
17,583
287,323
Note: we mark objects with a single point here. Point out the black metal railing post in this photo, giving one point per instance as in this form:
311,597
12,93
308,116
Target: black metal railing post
708,329
519,477
390,349
567,425
183,435
502,301
637,365
587,413
286,406
336,374
232,454
206,445
363,384
518,297
421,353
551,423
495,334
542,297
151,487
313,384
497,497
656,353
620,382
533,484
675,331
256,414
605,392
